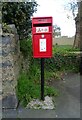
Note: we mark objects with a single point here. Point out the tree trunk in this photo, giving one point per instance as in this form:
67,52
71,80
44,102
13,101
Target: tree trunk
80,16
77,34
77,22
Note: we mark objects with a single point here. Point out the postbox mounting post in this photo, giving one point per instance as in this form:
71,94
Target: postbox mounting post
42,78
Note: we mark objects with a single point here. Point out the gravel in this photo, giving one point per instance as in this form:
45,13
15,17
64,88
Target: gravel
38,104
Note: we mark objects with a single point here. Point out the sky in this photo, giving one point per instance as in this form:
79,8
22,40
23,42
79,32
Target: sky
55,8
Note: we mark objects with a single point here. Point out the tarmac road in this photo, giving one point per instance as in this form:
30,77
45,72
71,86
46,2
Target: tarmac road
68,103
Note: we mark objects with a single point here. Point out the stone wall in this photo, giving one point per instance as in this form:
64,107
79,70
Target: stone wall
10,67
63,40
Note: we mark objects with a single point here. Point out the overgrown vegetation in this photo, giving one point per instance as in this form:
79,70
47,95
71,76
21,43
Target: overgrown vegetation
29,82
26,47
19,13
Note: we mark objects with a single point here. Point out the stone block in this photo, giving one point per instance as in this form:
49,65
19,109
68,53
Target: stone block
0,53
6,40
13,29
5,52
10,102
0,65
7,63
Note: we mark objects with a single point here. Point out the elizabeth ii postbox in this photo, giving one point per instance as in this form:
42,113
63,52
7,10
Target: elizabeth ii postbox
42,37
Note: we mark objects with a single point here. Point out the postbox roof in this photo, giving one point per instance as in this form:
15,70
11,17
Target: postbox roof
38,20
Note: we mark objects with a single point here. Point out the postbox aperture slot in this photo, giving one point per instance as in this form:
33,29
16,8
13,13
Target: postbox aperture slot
42,25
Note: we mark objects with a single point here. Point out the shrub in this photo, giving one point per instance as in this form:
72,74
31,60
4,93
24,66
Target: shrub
61,62
26,47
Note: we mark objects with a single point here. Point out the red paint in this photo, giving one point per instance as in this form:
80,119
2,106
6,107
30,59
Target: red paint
42,29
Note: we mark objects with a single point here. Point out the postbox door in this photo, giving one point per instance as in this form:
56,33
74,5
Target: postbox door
42,45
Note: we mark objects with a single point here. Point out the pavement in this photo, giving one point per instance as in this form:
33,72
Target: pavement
67,104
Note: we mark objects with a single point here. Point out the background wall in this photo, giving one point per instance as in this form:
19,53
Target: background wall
63,40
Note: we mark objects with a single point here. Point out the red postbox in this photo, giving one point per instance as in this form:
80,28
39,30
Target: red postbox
42,37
